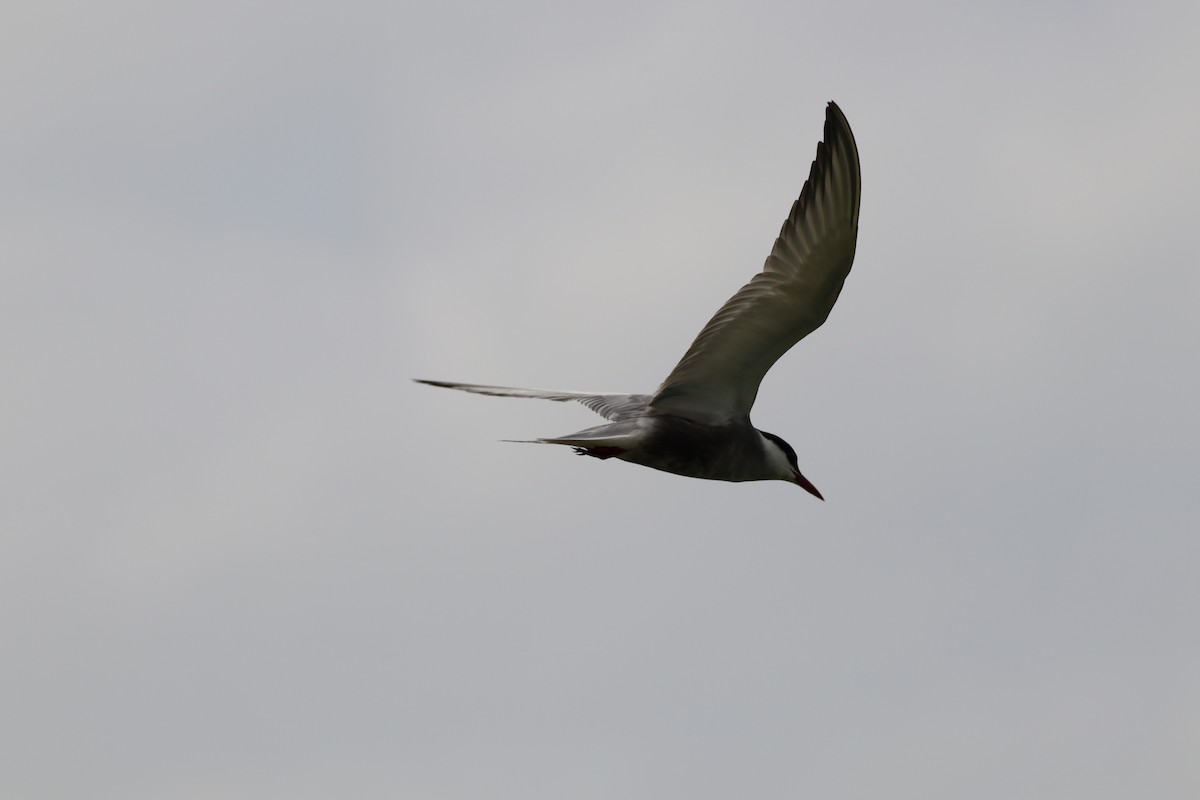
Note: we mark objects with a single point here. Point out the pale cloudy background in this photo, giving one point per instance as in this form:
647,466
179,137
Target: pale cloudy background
245,557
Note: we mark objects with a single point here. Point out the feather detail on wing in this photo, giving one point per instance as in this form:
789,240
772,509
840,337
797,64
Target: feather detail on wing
615,407
718,378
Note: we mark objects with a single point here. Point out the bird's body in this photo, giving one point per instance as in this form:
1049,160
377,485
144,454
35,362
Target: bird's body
697,423
733,451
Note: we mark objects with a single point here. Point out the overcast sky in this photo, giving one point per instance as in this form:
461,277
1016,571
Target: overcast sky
243,556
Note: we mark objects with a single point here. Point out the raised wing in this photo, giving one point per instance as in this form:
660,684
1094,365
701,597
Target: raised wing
616,407
718,378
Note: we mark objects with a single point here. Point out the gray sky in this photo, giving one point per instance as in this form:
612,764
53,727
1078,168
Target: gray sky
245,557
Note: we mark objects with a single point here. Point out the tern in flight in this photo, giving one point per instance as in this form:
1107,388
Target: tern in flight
697,423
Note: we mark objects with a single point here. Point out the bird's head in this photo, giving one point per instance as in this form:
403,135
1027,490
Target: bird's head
781,460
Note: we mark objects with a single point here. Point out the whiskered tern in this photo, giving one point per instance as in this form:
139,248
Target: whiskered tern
697,423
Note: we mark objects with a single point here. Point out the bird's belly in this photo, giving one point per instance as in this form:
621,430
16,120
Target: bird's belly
687,448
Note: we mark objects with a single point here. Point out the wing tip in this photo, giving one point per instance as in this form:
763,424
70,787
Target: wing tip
837,133
443,384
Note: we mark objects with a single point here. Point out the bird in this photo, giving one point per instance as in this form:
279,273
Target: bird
697,422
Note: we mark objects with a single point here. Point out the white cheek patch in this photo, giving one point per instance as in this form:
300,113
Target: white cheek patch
778,460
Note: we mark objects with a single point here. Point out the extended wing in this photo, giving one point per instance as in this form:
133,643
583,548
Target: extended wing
718,378
616,407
